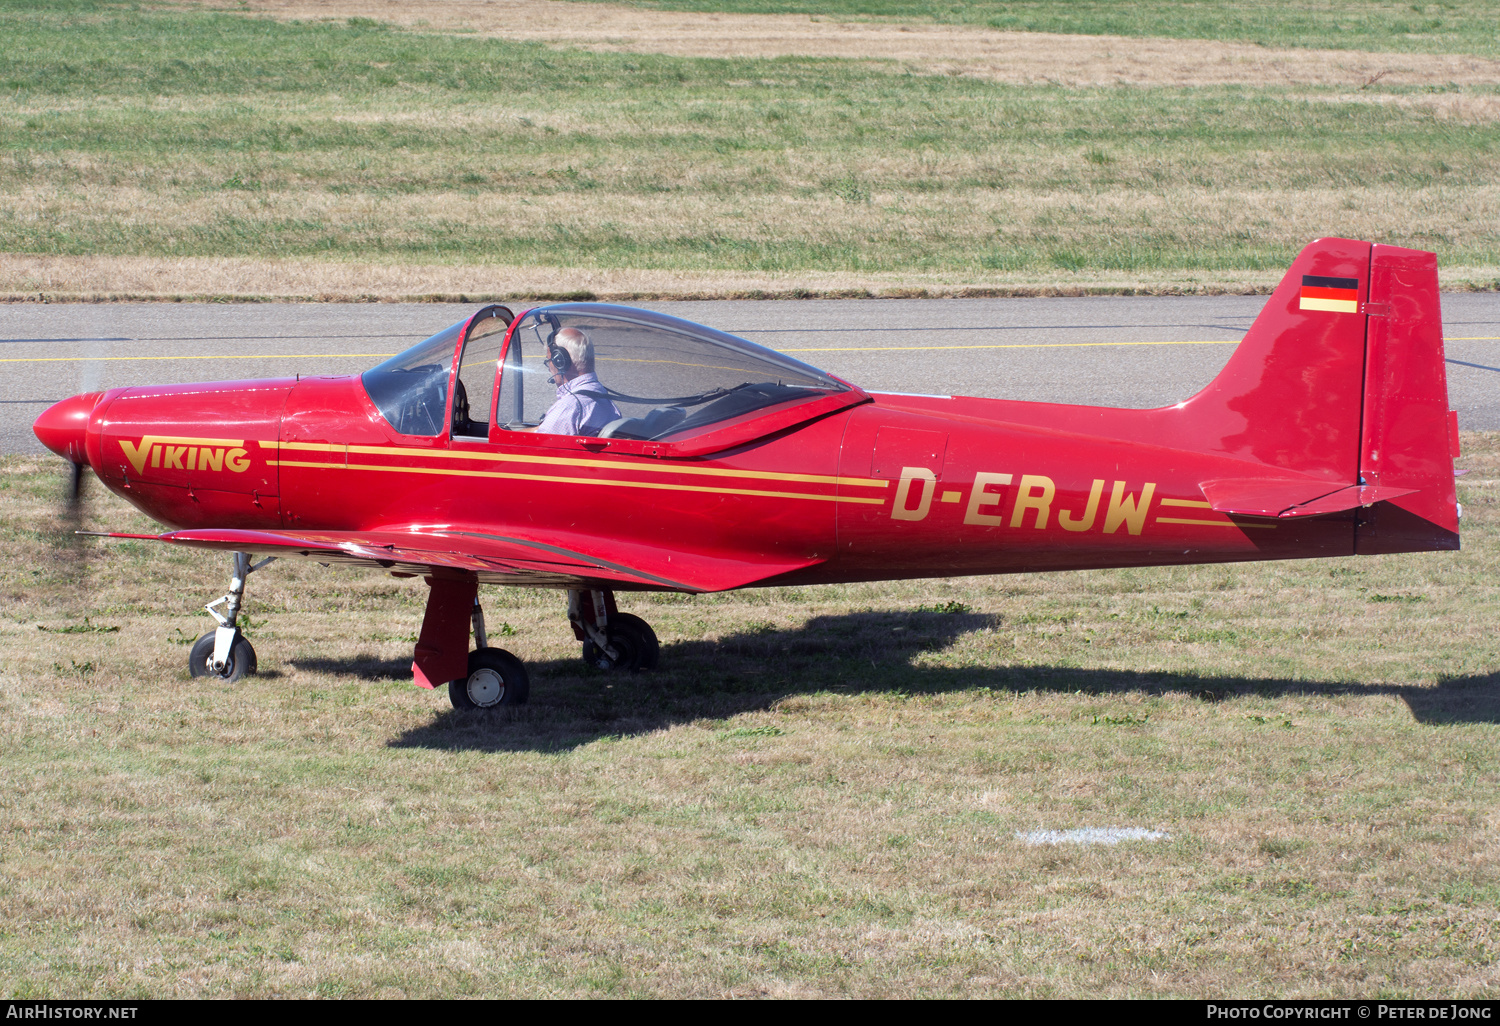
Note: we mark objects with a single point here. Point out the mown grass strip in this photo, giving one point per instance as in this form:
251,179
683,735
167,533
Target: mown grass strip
195,134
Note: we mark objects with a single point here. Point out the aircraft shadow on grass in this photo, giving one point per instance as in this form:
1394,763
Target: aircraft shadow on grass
855,653
361,667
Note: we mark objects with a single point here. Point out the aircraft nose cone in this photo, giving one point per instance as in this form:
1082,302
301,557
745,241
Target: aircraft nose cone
64,426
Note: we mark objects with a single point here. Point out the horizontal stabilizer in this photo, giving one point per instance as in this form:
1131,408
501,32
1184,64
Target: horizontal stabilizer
1351,497
1285,498
556,561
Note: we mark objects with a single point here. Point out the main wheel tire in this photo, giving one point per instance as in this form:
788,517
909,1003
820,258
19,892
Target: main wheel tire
241,661
650,648
495,678
632,638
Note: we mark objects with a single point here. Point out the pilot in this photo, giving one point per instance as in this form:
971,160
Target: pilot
582,407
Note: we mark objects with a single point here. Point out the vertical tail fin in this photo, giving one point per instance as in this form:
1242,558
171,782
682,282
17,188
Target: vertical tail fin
1290,396
1340,385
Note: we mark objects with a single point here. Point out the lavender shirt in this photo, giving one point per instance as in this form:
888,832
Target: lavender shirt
574,414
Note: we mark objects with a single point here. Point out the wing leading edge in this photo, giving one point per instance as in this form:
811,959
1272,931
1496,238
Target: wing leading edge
558,561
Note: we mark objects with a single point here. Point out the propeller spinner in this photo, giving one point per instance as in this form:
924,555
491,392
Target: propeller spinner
63,428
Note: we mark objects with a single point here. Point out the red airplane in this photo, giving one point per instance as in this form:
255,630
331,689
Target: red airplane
600,449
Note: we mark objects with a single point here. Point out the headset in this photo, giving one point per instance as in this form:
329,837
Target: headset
560,359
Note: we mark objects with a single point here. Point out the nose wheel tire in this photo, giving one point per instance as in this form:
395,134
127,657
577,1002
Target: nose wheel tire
495,678
632,638
241,662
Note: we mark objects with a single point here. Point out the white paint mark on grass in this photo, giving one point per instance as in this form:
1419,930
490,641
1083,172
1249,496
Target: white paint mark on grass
1092,835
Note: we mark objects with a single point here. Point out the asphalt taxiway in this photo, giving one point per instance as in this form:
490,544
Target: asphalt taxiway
1109,351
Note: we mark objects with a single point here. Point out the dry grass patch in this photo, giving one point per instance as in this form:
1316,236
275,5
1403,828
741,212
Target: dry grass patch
29,278
1016,57
820,792
1464,108
605,244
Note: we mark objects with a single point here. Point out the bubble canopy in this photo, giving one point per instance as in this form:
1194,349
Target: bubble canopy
641,374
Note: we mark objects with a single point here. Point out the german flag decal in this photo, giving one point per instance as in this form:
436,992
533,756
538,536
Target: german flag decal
1339,295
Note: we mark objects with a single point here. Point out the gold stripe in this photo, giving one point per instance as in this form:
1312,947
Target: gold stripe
1185,502
310,446
562,461
607,482
1330,305
1214,523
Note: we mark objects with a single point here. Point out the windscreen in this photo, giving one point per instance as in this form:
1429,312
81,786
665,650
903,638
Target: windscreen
411,388
629,373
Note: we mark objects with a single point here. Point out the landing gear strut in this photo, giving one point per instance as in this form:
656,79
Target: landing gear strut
224,652
612,640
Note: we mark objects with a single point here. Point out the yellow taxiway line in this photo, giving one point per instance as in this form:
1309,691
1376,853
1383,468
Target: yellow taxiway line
827,349
227,356
1060,345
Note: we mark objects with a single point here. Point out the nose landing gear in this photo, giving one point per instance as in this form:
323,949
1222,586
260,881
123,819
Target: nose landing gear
224,652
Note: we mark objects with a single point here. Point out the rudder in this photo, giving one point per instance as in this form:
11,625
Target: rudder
1409,437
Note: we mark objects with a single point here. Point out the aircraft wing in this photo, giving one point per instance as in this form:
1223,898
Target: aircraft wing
561,561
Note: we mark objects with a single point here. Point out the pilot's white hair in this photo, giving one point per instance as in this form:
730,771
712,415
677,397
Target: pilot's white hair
576,342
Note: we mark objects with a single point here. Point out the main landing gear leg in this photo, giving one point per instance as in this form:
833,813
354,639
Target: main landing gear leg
492,677
223,652
612,640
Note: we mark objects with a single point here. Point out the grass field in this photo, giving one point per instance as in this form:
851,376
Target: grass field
190,134
822,792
